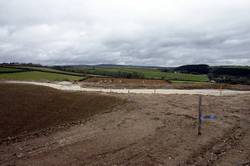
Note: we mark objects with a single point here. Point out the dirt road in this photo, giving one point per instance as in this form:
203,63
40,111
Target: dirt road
148,130
75,87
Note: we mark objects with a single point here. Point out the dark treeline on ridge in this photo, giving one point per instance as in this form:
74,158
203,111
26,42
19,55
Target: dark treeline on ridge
220,74
194,69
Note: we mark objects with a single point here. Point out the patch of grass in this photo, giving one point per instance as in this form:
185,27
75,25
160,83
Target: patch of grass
44,69
27,108
38,76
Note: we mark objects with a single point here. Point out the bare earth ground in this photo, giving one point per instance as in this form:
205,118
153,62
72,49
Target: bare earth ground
150,129
155,84
26,108
123,83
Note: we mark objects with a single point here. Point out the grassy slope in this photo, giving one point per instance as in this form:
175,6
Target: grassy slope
45,69
6,69
153,74
149,73
38,76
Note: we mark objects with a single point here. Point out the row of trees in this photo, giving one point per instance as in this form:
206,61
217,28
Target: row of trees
194,69
221,74
230,75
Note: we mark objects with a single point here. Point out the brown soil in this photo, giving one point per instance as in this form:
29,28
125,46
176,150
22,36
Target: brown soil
28,108
123,83
154,84
210,86
147,130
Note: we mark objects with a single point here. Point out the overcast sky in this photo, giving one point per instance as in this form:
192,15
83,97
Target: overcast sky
131,32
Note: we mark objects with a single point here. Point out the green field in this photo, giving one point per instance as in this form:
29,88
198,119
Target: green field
148,73
43,69
76,73
6,69
38,76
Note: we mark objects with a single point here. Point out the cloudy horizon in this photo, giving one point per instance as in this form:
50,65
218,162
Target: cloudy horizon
125,32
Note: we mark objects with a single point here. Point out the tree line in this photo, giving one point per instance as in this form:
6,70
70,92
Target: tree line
220,74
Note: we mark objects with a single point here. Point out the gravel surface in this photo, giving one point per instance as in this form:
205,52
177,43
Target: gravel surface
75,87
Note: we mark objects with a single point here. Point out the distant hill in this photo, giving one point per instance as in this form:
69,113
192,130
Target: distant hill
194,69
192,72
127,66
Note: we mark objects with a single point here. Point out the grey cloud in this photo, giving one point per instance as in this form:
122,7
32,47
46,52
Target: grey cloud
162,32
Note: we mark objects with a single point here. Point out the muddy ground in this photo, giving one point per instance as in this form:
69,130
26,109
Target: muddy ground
148,129
123,83
27,108
155,84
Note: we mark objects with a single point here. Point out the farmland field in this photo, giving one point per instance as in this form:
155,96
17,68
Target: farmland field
5,69
42,69
38,76
41,107
145,130
49,70
148,73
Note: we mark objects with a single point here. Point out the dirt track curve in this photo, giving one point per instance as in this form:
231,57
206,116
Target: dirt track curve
75,87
